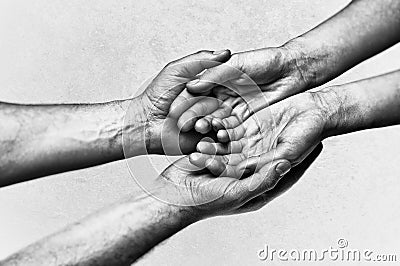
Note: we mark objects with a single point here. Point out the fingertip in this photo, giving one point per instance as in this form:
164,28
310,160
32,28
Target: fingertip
283,167
215,167
202,126
201,146
223,136
185,125
222,55
194,157
200,86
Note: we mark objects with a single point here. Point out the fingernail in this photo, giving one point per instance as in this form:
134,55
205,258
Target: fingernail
283,168
193,82
218,52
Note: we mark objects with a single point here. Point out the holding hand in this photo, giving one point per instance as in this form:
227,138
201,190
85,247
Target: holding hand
149,116
290,130
261,77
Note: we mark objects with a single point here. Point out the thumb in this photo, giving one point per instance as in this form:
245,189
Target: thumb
191,65
265,179
215,76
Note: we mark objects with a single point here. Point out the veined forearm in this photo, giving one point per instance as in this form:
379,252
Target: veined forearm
358,32
38,140
368,103
118,235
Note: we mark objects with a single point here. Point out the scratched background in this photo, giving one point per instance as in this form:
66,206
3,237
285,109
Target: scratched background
55,51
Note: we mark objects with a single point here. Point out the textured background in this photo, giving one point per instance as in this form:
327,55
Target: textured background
55,51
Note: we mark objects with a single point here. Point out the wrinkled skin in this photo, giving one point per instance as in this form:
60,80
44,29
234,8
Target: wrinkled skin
290,130
250,80
161,133
204,195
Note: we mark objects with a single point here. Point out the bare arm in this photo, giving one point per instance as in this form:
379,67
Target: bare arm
361,30
368,103
39,140
302,121
118,235
182,195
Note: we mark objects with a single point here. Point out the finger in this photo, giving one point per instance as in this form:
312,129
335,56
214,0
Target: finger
228,168
216,75
231,134
276,152
231,121
191,65
199,109
183,102
200,159
284,184
219,148
218,165
265,179
203,125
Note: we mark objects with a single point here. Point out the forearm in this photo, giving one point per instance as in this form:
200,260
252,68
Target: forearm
38,140
358,32
368,103
118,235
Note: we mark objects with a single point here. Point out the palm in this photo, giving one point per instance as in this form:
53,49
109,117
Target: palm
156,100
289,129
256,78
187,185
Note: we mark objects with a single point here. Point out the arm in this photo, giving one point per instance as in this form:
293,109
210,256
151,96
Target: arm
368,103
38,140
293,127
361,30
118,235
182,195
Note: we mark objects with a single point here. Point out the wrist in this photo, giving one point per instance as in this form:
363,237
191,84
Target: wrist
330,107
307,61
170,198
134,127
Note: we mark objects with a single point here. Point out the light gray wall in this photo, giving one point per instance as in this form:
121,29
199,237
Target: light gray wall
55,51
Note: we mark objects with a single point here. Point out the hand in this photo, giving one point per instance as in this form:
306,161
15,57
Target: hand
289,130
198,191
203,195
261,77
158,129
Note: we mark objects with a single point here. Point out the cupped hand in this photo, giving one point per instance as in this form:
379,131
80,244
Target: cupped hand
260,77
289,130
159,129
186,185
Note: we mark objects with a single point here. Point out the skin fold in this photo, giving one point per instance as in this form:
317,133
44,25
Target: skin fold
39,140
307,61
292,128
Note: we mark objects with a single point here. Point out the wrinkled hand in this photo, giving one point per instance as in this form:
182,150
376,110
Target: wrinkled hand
247,81
159,129
205,195
290,130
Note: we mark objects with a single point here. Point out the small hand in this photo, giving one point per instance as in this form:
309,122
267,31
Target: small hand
261,77
289,130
